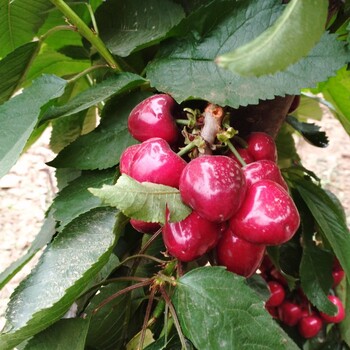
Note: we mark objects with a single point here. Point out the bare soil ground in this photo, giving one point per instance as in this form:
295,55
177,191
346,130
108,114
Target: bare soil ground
27,191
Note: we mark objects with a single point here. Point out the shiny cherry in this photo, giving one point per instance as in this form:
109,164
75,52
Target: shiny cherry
127,158
238,255
337,273
289,313
155,162
278,294
192,237
155,117
214,186
263,170
268,215
310,326
144,227
244,153
262,146
339,316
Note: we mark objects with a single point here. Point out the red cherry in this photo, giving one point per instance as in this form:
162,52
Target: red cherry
144,227
126,159
263,170
289,313
266,265
155,162
268,215
214,186
338,276
262,146
192,237
310,326
244,153
154,117
340,315
277,275
278,294
295,104
273,311
238,255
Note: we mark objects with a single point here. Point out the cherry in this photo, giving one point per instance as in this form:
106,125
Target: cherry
154,117
295,104
310,326
273,311
289,313
278,294
268,215
244,153
154,161
238,255
338,276
192,237
277,275
263,170
214,186
126,159
262,146
144,227
340,315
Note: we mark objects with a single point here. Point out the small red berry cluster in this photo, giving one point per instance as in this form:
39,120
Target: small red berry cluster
237,209
295,310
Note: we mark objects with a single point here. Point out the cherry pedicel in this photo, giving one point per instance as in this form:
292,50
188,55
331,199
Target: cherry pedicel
192,237
268,215
263,170
155,117
289,313
339,316
154,161
238,255
278,294
310,326
262,146
214,186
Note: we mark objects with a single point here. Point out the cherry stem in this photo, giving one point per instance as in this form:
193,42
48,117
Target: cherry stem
186,149
234,151
144,283
174,316
185,122
143,256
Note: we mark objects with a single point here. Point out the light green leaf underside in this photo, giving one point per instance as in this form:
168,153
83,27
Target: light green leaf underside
64,270
290,38
143,201
19,115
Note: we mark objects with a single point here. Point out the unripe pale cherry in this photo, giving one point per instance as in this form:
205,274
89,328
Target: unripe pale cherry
262,146
214,186
156,162
238,255
267,216
155,117
144,227
192,237
126,159
263,170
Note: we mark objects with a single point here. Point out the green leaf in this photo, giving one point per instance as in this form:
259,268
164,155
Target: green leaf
106,326
310,132
139,23
102,148
43,237
20,21
309,108
286,149
336,91
185,67
344,294
75,199
329,218
63,272
19,116
217,310
316,277
14,67
64,334
116,84
143,201
290,38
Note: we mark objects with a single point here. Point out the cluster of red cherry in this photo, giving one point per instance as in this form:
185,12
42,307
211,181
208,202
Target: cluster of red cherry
237,209
296,310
